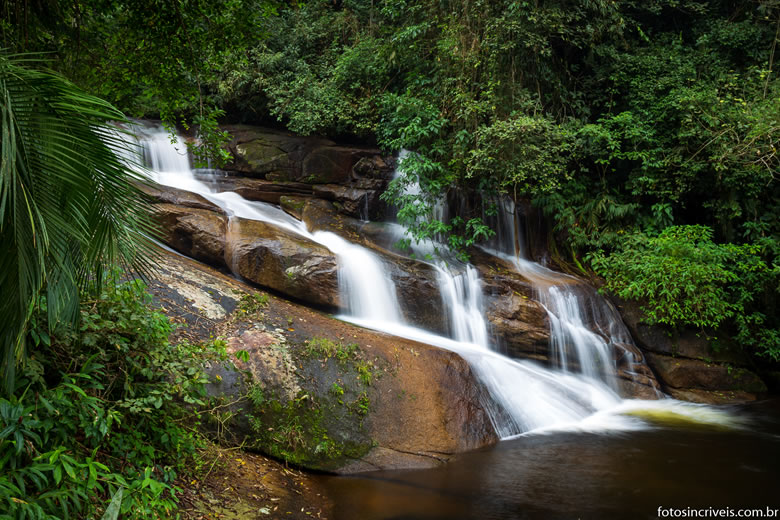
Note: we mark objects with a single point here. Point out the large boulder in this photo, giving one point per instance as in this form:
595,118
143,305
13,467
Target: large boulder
283,261
318,392
353,177
279,156
195,232
688,366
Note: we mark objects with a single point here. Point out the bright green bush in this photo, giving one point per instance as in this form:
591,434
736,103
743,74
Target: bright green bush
683,278
106,406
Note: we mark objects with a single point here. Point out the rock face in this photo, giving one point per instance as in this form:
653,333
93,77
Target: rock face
688,367
198,233
292,264
263,190
283,261
415,281
522,325
177,197
352,177
321,393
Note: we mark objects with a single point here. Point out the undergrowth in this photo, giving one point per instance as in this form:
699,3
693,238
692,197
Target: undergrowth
105,410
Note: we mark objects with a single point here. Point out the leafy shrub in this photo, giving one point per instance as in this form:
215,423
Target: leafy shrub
684,278
103,407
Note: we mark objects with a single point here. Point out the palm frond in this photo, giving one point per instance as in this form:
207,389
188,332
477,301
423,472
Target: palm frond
68,206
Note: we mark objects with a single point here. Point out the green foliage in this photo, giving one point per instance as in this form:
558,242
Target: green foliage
252,303
295,430
101,419
68,208
683,278
362,405
337,390
323,348
364,371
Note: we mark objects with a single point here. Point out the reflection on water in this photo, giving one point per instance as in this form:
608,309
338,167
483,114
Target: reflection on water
582,475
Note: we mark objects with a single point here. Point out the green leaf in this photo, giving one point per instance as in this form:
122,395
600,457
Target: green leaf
113,509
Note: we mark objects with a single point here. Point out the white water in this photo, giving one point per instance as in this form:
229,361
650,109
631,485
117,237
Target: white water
574,344
524,397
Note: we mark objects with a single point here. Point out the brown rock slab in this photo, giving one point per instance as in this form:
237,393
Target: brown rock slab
283,261
177,197
262,190
279,156
425,403
683,373
194,232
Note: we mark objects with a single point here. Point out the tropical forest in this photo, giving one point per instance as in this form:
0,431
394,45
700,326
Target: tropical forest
389,259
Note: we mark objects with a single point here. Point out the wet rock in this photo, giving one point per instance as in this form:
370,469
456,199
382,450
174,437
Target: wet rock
682,374
354,202
663,340
279,156
416,282
686,364
332,164
522,325
321,215
197,233
283,261
418,407
515,316
177,197
262,190
396,403
375,167
293,205
265,153
637,378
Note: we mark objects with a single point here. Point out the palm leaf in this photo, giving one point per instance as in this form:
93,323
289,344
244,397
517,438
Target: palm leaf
68,206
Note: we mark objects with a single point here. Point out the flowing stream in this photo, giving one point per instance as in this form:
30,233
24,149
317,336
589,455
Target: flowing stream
524,397
585,328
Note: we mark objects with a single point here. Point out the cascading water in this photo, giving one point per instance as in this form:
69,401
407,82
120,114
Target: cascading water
579,342
523,396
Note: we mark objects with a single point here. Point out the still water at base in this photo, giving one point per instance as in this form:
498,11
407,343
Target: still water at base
583,475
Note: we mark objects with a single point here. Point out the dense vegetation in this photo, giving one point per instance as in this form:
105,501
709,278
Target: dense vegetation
102,414
619,119
647,131
68,209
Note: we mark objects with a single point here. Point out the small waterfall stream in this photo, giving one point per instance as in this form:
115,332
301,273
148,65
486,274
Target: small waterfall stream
585,328
523,396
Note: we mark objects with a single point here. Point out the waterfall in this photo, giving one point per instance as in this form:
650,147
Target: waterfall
370,294
584,328
523,396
